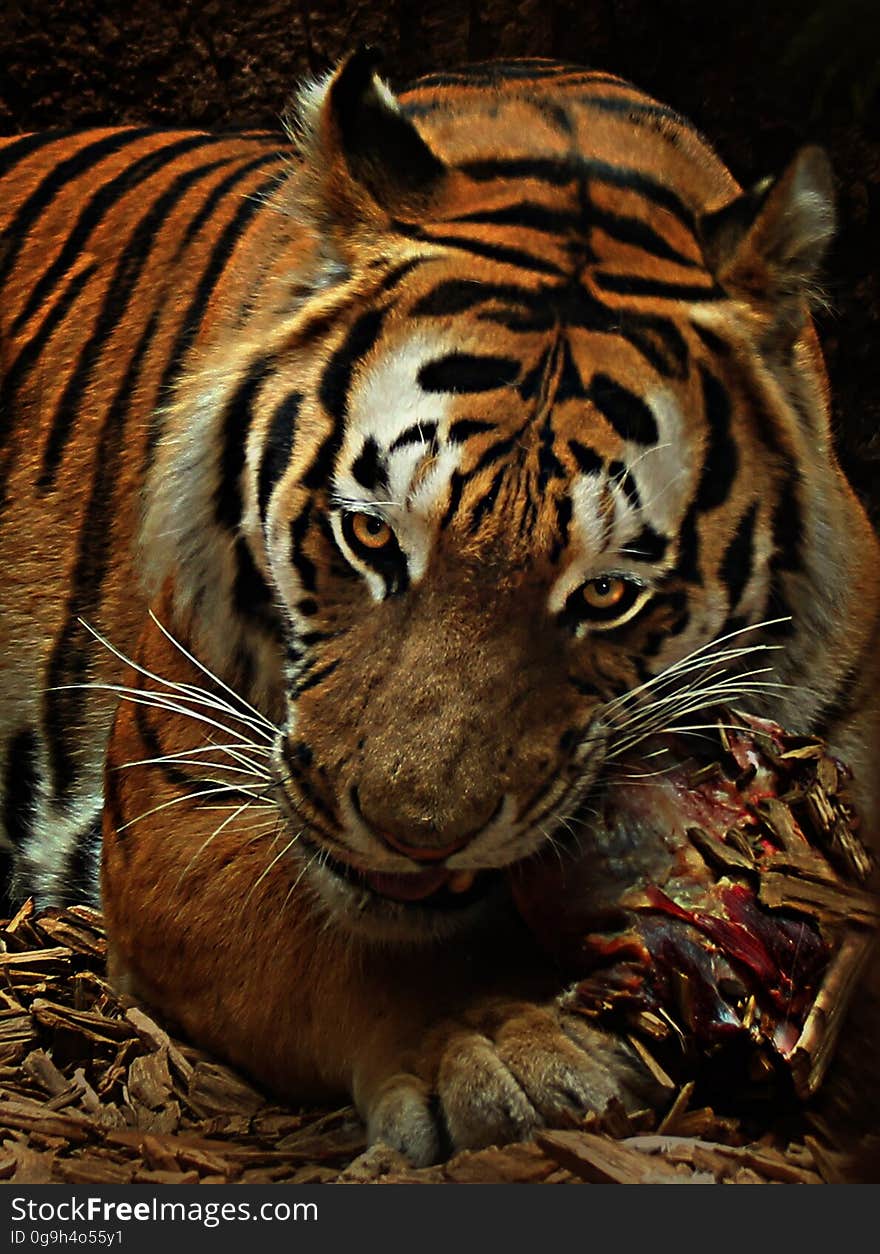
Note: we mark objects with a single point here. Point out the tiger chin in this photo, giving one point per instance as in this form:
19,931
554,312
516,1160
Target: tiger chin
369,492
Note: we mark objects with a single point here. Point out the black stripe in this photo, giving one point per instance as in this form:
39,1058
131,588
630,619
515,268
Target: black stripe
456,487
96,209
778,606
303,565
277,448
418,433
334,388
722,457
27,356
396,276
56,180
305,788
251,595
315,678
455,296
555,114
369,468
220,253
336,379
179,779
465,428
467,372
492,454
528,215
627,413
634,109
238,415
219,193
482,74
114,812
739,556
639,234
713,342
568,305
534,381
687,565
502,253
620,475
559,171
638,285
788,526
129,268
584,686
588,461
458,479
549,465
659,341
9,903
648,546
487,501
563,525
569,385
20,784
14,151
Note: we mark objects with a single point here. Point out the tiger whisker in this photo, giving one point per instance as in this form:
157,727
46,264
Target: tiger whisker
696,660
179,761
188,796
691,699
158,701
190,692
216,832
267,870
554,844
697,727
305,867
260,718
212,745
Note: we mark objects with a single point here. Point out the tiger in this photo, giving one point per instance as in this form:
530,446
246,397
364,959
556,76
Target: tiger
364,488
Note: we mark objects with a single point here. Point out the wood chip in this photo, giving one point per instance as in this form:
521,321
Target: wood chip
134,1104
601,1161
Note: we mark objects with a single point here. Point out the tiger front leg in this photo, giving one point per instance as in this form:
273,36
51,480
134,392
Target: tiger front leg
495,1072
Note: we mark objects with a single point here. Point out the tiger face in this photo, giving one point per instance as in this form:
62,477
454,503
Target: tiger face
543,429
507,544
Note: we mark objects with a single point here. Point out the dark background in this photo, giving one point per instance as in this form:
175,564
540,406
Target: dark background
758,79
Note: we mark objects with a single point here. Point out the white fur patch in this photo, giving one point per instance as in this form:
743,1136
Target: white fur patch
662,473
385,402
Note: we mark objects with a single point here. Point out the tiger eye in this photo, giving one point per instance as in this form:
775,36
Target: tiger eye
370,531
604,593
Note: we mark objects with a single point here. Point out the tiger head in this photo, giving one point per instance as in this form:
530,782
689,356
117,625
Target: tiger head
547,419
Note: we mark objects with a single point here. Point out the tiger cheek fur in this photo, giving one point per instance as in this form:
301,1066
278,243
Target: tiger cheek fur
453,447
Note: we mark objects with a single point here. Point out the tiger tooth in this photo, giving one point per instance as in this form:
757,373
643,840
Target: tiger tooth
461,881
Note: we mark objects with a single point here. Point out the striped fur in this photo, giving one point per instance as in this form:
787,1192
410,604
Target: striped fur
524,323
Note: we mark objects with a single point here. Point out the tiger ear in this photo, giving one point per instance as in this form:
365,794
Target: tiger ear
360,151
766,246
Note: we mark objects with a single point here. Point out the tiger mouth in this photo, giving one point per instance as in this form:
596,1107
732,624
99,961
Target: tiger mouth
437,888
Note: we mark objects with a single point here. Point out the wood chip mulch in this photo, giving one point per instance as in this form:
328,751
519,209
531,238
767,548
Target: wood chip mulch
95,1091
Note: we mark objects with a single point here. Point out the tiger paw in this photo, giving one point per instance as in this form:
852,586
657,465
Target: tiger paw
498,1073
